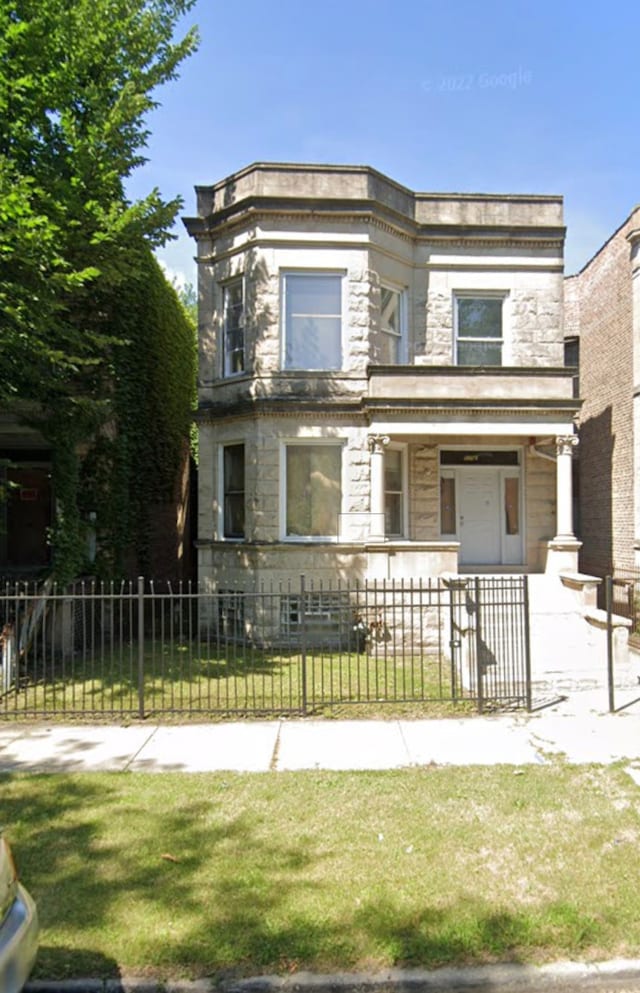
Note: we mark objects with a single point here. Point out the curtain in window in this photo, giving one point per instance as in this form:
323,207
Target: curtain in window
313,490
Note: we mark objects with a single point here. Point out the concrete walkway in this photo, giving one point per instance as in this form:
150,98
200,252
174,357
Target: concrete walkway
575,729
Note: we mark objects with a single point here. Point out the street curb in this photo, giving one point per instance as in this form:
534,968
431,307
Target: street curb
504,977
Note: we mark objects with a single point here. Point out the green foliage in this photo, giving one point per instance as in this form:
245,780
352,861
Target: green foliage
231,874
77,79
135,469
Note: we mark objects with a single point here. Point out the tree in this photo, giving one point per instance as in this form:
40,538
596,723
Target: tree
76,84
77,80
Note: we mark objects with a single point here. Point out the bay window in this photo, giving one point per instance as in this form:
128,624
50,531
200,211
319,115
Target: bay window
313,490
233,491
391,325
312,320
233,327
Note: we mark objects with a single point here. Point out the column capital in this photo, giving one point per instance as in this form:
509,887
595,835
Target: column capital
377,443
565,443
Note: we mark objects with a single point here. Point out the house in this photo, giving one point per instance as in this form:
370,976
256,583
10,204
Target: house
382,388
602,317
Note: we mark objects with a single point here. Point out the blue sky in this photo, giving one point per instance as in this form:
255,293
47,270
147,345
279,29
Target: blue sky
491,96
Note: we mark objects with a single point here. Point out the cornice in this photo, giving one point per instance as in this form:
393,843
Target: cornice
328,409
256,209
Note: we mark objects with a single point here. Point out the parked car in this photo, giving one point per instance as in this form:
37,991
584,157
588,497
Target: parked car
18,925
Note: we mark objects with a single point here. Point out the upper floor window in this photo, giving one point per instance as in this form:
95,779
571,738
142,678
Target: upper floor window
233,491
233,327
313,490
572,359
312,320
392,319
479,329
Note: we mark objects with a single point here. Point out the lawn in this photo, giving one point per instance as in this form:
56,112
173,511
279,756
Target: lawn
186,678
227,875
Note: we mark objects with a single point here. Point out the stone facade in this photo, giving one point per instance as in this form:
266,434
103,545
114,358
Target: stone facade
602,304
415,426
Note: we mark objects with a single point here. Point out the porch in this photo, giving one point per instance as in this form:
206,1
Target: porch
445,506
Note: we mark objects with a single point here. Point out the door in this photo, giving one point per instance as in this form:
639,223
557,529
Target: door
479,516
481,506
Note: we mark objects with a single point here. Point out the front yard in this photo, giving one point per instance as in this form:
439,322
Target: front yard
228,874
185,678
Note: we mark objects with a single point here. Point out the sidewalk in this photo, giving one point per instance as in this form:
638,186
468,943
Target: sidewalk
574,729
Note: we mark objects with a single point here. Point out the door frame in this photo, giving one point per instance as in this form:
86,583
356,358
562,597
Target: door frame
508,556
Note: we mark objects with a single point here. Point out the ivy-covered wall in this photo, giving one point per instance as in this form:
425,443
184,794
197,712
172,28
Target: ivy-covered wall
134,475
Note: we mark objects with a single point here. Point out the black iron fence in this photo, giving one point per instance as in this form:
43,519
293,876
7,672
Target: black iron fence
147,649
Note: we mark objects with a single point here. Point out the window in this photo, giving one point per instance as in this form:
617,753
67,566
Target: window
231,623
233,327
572,359
391,325
312,321
233,491
512,505
447,504
479,333
313,490
393,492
326,618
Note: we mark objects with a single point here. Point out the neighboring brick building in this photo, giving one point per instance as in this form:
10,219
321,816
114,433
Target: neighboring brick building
381,383
602,310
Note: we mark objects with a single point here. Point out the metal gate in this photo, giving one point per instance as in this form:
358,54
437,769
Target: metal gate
490,639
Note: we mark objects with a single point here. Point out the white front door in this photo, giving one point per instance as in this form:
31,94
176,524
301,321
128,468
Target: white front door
481,506
479,516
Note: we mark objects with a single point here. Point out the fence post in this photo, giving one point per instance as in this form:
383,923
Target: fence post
303,646
479,652
608,593
141,647
527,642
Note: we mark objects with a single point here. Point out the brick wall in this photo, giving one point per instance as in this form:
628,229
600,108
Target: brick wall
599,303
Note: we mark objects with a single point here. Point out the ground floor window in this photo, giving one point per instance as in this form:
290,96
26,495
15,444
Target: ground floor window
313,490
394,492
233,491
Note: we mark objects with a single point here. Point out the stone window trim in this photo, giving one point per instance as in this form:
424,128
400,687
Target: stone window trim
390,316
233,338
503,340
230,493
286,445
288,361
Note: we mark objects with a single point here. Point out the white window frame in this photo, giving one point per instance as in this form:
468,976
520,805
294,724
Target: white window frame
226,371
308,442
404,492
504,341
286,274
221,491
401,335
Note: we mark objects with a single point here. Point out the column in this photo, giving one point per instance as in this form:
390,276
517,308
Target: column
564,506
377,445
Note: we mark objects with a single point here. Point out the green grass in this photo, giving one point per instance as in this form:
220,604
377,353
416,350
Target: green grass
226,875
179,678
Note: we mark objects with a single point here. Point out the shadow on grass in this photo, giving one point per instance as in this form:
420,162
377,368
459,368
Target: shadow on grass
177,885
174,677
